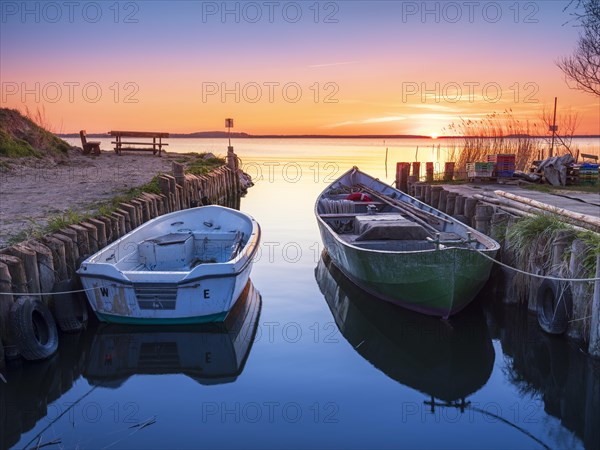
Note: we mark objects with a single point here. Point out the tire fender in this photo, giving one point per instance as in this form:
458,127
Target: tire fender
33,328
554,304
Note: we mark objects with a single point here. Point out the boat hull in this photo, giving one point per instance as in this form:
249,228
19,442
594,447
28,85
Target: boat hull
186,267
438,280
439,283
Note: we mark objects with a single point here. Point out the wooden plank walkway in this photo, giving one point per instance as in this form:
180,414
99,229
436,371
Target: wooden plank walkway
579,202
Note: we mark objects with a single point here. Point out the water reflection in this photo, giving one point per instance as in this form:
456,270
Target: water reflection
107,355
553,369
447,360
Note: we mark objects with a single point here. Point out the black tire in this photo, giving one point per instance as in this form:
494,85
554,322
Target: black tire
554,306
70,310
33,328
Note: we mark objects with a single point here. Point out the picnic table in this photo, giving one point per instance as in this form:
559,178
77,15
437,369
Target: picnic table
139,146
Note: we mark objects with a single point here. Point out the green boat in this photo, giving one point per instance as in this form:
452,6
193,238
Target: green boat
400,249
444,360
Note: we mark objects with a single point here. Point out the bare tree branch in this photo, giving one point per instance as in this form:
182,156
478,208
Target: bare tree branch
583,67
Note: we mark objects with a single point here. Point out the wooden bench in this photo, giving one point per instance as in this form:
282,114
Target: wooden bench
594,158
154,146
89,146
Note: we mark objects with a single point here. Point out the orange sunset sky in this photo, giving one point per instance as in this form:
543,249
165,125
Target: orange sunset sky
341,68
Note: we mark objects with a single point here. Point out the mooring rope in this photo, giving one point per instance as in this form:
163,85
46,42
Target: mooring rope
546,277
37,294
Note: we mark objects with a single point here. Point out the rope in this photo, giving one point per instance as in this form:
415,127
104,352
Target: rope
48,293
546,277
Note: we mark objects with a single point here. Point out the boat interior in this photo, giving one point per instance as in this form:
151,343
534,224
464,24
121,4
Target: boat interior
181,251
378,225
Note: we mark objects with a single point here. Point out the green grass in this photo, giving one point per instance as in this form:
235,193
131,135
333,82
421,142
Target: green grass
11,147
199,164
592,240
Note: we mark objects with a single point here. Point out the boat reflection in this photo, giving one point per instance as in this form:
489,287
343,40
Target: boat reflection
107,355
211,353
448,360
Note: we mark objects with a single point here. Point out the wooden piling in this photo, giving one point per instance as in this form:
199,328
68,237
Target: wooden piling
126,220
6,301
17,273
442,200
427,194
30,265
448,171
459,206
435,196
132,211
108,228
57,247
119,224
470,205
416,170
498,226
483,218
82,240
100,232
594,345
71,252
429,172
45,261
508,257
402,172
92,236
579,291
450,202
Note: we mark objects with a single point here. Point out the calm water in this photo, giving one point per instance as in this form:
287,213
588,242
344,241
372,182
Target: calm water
313,361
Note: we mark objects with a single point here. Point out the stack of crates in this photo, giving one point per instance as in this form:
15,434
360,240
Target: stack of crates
480,169
505,164
588,174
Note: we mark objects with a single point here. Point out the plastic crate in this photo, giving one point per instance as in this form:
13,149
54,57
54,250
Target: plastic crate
480,167
505,173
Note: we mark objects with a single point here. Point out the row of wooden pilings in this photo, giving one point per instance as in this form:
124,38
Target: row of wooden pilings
36,266
516,288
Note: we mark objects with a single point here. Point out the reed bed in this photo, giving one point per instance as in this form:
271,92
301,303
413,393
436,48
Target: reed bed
497,133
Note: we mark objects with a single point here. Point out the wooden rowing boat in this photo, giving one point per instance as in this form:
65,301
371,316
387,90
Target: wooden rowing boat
185,267
401,249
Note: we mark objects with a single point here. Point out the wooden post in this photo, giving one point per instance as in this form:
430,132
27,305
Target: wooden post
470,205
30,265
435,196
429,172
132,211
126,220
448,171
450,202
100,232
580,291
163,204
402,171
427,196
45,262
139,210
119,224
180,197
498,226
57,247
508,257
483,218
92,236
594,346
108,229
6,301
82,240
442,200
71,252
459,206
416,170
17,273
164,185
418,191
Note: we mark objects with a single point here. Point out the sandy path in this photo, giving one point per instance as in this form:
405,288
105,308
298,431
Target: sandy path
30,193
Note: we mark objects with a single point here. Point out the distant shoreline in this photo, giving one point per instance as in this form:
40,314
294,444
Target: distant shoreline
221,134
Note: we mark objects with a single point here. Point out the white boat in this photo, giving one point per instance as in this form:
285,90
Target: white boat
211,353
185,267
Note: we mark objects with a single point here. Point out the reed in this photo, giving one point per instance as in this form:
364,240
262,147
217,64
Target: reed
494,134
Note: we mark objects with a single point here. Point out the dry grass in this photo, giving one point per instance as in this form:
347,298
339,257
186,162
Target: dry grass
499,133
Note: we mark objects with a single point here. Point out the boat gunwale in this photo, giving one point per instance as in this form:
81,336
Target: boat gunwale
246,256
491,246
